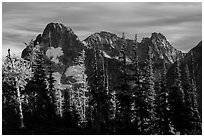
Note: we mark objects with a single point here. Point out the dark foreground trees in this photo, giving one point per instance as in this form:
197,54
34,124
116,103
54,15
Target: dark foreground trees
15,74
34,102
162,108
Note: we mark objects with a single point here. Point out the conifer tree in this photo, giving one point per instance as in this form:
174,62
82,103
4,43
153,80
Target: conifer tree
95,87
176,99
68,111
138,91
99,87
60,101
16,72
162,105
143,93
82,91
50,79
124,95
42,104
150,92
196,120
51,87
106,94
192,117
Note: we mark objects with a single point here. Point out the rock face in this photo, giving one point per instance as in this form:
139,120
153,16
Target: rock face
105,41
63,41
65,47
162,50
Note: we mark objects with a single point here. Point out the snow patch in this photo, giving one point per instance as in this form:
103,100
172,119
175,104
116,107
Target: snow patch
111,44
54,54
98,37
77,38
71,71
77,72
85,43
128,60
116,57
161,56
60,26
106,55
106,41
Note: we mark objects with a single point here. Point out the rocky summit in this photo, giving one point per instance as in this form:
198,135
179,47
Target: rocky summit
65,47
162,50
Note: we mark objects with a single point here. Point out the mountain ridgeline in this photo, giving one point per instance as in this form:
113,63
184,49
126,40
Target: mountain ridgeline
117,85
66,46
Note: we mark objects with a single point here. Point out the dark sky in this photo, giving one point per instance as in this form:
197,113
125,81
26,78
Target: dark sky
181,23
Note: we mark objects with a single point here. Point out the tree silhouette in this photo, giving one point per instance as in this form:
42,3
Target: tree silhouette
16,72
163,125
176,97
192,117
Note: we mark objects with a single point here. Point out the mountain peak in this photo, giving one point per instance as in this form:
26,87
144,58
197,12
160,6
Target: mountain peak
56,28
61,41
162,49
102,37
159,39
103,34
158,36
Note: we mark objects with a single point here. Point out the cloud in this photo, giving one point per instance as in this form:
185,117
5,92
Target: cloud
177,21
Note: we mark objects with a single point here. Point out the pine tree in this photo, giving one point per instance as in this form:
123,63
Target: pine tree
42,104
51,80
176,97
194,83
106,93
124,95
123,57
99,89
68,111
143,94
149,93
95,87
138,92
16,72
162,106
60,101
82,92
192,118
196,120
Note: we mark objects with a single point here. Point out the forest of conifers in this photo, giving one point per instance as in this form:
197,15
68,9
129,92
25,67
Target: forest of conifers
34,104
